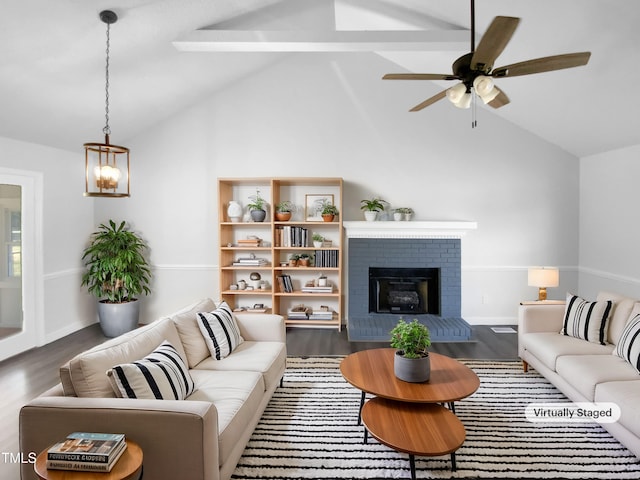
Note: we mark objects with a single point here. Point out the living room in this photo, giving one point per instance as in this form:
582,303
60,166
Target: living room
549,184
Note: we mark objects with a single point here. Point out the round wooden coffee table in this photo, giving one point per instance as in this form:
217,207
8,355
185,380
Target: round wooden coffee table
372,372
414,428
128,467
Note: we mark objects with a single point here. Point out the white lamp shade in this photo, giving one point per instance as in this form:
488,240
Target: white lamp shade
483,85
456,93
543,277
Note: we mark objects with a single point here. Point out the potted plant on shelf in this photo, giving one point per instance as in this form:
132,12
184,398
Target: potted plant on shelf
304,260
117,273
411,361
284,210
402,213
371,207
328,212
293,260
317,240
257,207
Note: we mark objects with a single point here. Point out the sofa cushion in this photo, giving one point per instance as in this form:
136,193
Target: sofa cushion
586,320
88,369
628,346
161,375
626,395
236,396
585,372
220,331
618,318
266,358
190,335
548,346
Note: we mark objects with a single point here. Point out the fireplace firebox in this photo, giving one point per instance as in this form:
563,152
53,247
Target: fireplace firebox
404,290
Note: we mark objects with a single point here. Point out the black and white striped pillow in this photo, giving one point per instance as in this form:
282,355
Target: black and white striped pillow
629,344
220,331
161,375
586,320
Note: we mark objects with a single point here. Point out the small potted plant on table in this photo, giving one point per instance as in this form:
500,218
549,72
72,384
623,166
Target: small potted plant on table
411,361
257,207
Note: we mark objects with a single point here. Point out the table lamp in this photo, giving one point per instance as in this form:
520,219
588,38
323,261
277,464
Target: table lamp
543,277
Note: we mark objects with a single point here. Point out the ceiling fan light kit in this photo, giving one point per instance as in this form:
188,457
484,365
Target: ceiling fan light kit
106,165
475,69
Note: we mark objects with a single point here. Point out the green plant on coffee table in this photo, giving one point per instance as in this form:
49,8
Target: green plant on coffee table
373,205
412,339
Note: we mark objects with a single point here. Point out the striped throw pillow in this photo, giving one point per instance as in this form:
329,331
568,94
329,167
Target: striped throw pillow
586,320
629,344
220,331
161,375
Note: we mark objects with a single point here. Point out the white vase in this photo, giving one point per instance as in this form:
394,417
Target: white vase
234,211
397,216
370,215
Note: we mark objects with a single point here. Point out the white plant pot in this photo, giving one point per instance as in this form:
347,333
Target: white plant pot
370,216
317,244
397,216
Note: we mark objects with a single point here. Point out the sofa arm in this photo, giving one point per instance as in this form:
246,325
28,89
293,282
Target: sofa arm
540,318
261,327
179,439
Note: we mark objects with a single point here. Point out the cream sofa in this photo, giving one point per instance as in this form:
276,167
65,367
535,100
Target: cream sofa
585,371
200,438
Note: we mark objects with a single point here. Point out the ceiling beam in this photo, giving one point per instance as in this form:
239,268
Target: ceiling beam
323,41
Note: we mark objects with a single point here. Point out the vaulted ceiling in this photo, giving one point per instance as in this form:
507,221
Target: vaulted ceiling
52,59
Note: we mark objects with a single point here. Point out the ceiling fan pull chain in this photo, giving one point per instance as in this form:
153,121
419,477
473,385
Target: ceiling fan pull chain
474,120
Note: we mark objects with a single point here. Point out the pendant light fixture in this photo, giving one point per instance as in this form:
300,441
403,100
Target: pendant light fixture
106,165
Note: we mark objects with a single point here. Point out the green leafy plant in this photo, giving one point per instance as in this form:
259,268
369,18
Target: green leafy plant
407,210
257,202
117,271
412,339
316,237
373,205
329,209
285,206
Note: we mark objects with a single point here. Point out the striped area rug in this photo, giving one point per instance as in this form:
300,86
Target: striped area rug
309,431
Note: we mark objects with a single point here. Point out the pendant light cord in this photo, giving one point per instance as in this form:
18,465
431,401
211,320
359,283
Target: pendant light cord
106,130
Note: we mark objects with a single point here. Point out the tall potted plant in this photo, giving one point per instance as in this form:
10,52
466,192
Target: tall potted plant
116,273
257,207
411,361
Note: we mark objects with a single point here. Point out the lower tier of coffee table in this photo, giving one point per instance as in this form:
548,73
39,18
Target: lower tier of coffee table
424,429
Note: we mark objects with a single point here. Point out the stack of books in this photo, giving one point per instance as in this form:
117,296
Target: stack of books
87,452
312,289
250,242
299,312
321,315
251,261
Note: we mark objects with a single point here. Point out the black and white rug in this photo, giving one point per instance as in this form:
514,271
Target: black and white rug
309,431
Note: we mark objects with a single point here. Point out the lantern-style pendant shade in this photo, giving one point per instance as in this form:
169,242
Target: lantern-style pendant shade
106,170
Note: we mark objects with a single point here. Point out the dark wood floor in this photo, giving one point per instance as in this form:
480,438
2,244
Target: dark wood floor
27,375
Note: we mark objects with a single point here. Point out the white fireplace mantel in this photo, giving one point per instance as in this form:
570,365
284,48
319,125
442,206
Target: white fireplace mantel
408,229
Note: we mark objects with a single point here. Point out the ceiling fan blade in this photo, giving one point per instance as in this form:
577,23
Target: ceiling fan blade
544,64
429,101
419,76
500,101
493,42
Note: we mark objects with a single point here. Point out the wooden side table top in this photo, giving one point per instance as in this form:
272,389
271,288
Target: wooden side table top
414,428
128,467
372,371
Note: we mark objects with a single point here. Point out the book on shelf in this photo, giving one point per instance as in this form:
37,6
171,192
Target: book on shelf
86,451
291,236
251,261
321,315
284,283
326,258
310,289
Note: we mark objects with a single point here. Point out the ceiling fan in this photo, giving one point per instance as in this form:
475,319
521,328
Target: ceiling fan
475,70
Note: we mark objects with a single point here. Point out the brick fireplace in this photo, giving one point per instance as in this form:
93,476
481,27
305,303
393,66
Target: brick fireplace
405,269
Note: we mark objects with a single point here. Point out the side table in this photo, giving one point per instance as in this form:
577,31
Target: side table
128,467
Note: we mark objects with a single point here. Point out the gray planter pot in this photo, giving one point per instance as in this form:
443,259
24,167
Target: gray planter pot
118,318
414,370
258,215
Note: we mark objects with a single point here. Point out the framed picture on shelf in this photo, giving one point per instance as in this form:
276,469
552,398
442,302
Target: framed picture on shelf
313,205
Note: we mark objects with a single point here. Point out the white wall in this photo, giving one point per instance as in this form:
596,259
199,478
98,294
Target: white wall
67,220
331,115
609,227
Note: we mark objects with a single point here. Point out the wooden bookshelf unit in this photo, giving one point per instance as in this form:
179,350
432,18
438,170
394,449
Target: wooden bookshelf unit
282,288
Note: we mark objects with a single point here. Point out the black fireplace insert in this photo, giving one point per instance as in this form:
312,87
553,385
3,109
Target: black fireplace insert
404,290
